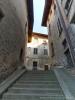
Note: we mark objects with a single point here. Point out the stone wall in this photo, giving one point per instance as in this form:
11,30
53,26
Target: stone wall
64,53
59,57
12,39
71,30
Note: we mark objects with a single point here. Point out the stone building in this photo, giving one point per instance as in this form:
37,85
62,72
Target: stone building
16,23
59,17
37,52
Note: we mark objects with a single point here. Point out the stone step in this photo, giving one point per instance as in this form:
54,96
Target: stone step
53,89
35,91
25,78
32,94
37,82
17,96
36,85
33,88
35,79
17,83
39,75
50,71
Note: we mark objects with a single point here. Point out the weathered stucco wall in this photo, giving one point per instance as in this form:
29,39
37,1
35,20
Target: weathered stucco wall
40,57
59,58
12,36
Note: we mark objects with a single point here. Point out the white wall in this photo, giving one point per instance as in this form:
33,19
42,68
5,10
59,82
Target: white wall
40,57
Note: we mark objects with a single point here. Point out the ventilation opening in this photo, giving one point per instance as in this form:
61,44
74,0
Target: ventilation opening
21,55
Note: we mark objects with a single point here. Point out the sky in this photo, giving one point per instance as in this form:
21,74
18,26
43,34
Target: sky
38,14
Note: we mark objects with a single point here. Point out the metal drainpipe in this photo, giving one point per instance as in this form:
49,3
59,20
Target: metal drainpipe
67,35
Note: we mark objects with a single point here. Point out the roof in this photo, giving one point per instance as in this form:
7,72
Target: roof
30,18
40,35
46,11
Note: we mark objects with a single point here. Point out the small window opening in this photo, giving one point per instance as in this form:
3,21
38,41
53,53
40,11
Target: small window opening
1,15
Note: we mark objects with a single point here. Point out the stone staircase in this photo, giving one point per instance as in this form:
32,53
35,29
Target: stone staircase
35,85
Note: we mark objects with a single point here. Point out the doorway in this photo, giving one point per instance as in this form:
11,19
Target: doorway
45,67
69,60
35,65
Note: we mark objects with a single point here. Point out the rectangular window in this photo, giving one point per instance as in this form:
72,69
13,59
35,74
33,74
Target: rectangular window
61,1
52,50
49,30
64,43
59,27
73,19
45,52
36,39
35,51
68,6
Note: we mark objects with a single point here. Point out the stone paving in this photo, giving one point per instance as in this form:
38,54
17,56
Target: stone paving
68,76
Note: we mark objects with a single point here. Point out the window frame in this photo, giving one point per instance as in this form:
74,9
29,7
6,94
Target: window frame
60,29
45,52
35,51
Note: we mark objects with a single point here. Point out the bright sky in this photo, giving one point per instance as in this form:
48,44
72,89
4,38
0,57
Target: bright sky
38,14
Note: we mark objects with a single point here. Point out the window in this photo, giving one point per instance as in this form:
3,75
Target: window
64,43
1,15
44,41
49,30
46,67
59,27
45,52
35,51
73,19
68,6
61,1
36,38
52,50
